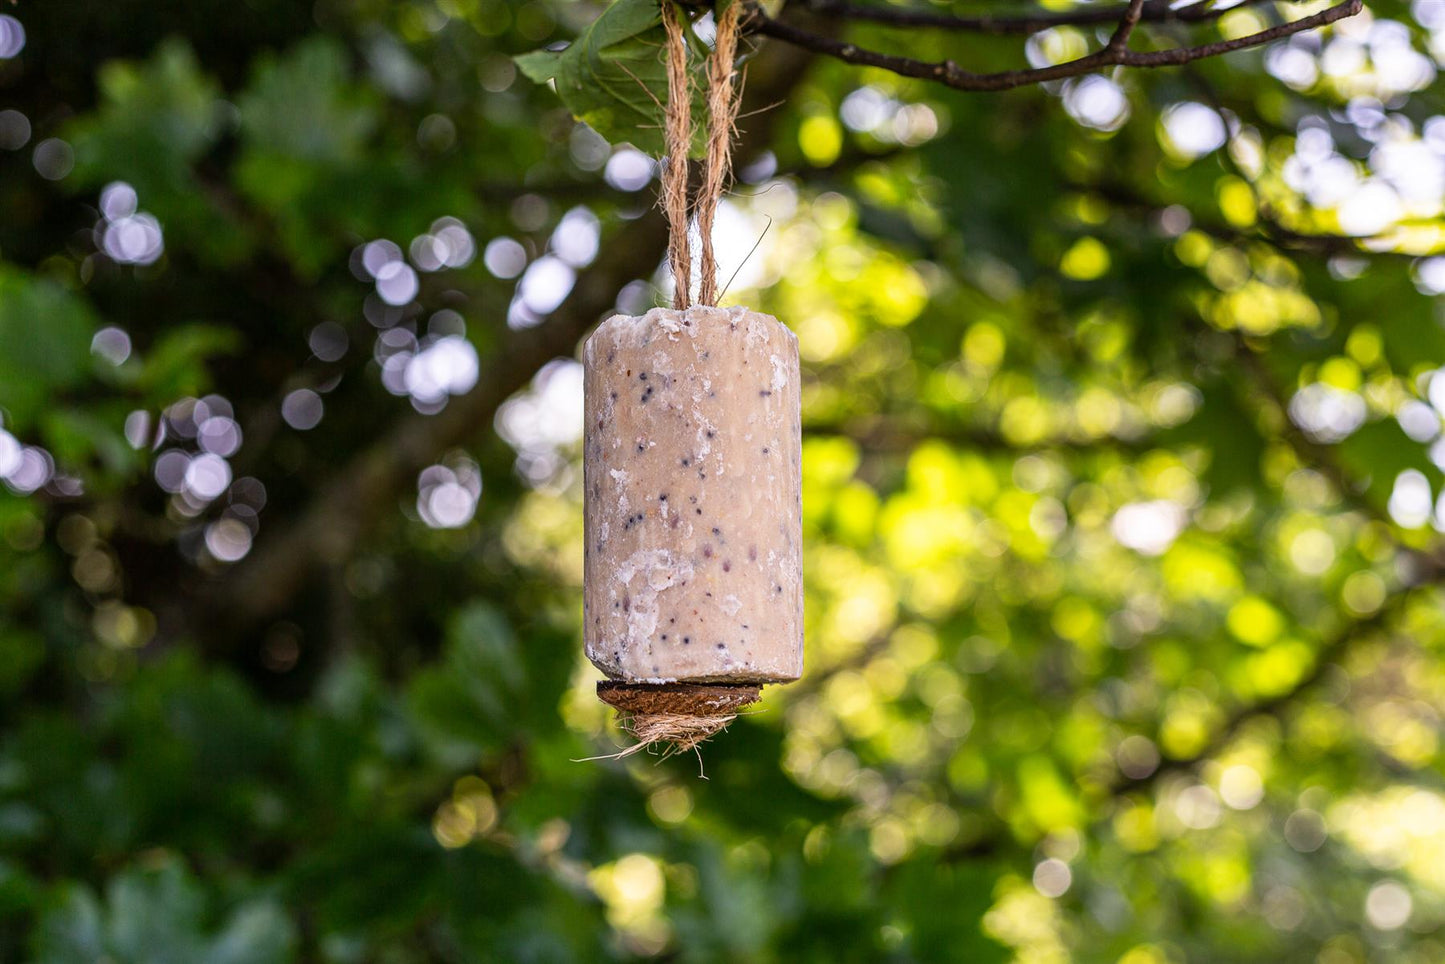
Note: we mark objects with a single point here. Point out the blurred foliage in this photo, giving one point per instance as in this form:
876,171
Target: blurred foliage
1121,469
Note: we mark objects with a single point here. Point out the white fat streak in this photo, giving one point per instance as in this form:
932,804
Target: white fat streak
641,622
703,425
661,570
662,363
780,373
638,329
757,330
620,477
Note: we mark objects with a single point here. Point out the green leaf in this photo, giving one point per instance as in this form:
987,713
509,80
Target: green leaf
258,932
472,696
18,889
303,105
154,913
613,76
21,653
156,118
176,364
72,932
45,334
75,435
305,128
159,917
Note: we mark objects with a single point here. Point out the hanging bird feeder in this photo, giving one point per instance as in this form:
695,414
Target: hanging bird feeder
692,465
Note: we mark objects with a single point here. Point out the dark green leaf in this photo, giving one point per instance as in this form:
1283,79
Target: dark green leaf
613,76
45,334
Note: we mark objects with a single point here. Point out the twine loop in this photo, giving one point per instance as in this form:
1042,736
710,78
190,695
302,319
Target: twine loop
724,93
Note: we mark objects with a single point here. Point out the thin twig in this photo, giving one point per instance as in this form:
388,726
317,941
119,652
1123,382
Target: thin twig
951,75
734,276
1119,42
1154,11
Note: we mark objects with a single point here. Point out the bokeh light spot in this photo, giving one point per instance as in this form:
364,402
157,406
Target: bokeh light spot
1388,906
14,130
111,344
53,159
302,409
12,37
1096,102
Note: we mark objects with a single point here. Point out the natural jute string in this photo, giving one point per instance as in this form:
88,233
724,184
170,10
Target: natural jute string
677,130
723,96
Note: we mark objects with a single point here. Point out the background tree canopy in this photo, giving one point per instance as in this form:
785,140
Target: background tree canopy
1122,449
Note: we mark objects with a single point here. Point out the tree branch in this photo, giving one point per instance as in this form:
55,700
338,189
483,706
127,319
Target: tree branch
951,75
1120,40
1154,11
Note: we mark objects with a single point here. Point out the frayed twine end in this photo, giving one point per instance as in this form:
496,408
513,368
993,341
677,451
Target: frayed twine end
669,732
673,718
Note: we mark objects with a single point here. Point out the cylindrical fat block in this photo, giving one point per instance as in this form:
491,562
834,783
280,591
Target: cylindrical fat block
692,464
